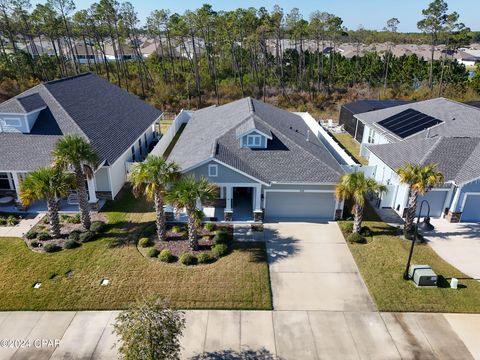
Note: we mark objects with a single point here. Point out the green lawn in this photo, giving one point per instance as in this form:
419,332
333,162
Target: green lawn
351,146
382,262
237,281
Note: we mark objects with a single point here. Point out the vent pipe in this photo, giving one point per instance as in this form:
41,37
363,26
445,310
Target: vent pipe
308,135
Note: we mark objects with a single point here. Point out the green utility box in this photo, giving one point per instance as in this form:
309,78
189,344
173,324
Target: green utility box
423,275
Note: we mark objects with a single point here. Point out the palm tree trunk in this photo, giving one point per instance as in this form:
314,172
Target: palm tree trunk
192,229
357,218
160,217
52,206
412,208
82,197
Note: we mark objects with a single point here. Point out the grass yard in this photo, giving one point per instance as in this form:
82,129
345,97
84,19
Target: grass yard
237,281
351,146
382,262
165,124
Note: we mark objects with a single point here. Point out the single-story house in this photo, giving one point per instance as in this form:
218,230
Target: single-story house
266,162
348,111
119,126
437,131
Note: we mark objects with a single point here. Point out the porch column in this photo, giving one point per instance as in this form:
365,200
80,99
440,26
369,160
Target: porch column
455,213
92,197
257,203
16,182
228,212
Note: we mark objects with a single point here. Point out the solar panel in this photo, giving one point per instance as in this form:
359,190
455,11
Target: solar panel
408,122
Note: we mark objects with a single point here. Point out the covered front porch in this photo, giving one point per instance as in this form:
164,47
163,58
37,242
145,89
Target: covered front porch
236,203
10,192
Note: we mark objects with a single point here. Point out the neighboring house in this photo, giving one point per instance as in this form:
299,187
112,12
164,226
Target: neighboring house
351,123
266,162
119,126
437,131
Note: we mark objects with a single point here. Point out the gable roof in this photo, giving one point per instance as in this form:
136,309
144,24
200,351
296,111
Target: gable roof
213,133
458,119
458,158
110,118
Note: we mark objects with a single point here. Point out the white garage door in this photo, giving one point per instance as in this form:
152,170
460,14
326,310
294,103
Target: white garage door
436,199
300,205
471,209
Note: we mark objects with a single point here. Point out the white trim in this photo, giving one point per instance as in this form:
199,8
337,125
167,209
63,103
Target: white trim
319,191
212,170
254,139
283,190
291,183
254,130
18,120
23,114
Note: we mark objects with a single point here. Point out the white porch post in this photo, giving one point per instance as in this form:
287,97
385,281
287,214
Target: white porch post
91,190
257,206
16,182
228,199
454,207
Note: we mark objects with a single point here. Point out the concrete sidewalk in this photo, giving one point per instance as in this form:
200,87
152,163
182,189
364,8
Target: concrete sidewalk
253,334
22,227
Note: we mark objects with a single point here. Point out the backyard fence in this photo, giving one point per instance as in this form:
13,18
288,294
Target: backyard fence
165,140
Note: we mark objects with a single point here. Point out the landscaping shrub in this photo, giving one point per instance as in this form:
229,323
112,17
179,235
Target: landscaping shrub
12,220
356,238
32,234
176,229
144,242
35,244
86,236
50,248
221,237
74,235
166,256
153,252
365,231
98,226
71,244
220,250
346,227
149,230
205,258
188,259
3,221
43,236
74,219
209,226
46,220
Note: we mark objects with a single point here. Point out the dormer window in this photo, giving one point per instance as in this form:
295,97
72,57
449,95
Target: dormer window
254,140
213,170
12,122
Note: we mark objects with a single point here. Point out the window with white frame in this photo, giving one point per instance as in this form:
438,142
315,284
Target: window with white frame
212,170
12,122
254,140
5,181
371,136
133,153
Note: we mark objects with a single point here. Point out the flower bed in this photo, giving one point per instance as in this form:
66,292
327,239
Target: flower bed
9,219
177,242
73,235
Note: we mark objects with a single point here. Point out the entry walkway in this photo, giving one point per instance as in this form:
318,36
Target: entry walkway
22,227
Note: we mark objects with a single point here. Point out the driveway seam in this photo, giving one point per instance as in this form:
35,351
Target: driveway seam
66,329
33,327
389,334
274,333
101,335
317,355
351,335
206,332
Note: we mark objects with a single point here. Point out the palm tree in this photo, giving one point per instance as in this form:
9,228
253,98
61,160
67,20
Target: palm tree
76,153
185,194
420,179
50,184
152,178
356,186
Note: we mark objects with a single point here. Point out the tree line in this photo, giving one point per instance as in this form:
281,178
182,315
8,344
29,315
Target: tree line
208,56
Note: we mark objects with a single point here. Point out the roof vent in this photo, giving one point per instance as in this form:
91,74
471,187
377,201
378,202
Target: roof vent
296,130
308,135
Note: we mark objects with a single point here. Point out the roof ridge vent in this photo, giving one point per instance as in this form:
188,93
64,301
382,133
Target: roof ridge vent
251,107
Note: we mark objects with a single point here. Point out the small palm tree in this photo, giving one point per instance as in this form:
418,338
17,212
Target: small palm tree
185,194
152,178
355,186
48,184
420,179
76,153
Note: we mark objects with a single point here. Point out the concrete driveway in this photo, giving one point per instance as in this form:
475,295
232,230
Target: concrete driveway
311,268
458,244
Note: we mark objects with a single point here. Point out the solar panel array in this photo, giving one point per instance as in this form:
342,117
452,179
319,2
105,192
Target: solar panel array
408,122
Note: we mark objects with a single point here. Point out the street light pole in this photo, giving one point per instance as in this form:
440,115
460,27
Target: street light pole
406,276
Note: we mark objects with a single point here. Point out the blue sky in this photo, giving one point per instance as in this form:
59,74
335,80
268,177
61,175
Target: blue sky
371,14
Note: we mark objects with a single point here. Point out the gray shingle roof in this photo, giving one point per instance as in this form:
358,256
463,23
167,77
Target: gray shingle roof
458,119
289,157
109,117
458,158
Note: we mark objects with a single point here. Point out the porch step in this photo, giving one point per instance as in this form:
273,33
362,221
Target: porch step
242,232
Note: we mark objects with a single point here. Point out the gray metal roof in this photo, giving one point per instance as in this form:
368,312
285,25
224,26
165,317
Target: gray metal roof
458,119
109,117
289,157
361,106
458,158
31,102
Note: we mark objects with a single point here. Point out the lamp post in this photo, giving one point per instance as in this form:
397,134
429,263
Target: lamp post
426,226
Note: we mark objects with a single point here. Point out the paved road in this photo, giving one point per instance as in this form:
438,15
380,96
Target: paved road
322,311
458,244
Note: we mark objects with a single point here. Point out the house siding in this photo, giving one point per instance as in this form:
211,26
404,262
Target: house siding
377,139
225,174
473,187
102,180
